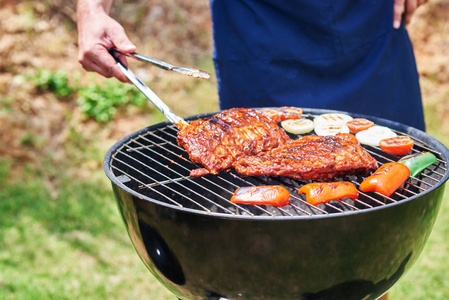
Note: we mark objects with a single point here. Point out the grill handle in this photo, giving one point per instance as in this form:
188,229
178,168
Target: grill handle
168,113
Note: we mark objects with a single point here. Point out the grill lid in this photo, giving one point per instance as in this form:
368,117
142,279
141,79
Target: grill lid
150,165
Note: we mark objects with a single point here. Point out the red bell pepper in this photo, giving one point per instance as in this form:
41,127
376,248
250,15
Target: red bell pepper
359,124
387,179
274,195
321,192
399,145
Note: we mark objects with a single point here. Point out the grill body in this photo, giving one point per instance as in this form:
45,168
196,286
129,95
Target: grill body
352,255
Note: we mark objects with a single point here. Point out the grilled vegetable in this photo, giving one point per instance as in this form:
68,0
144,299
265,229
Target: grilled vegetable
418,162
321,192
299,126
330,129
373,135
332,118
274,195
386,180
359,124
399,145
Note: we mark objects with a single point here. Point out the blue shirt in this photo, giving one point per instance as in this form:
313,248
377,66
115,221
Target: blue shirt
332,54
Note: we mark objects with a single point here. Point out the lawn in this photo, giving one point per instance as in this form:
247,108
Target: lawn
72,246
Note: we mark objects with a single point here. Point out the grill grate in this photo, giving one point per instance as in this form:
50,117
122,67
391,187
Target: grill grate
153,165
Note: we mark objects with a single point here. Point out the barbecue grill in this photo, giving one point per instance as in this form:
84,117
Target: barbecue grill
200,245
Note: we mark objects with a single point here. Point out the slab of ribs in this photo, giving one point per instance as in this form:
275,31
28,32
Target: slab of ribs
254,144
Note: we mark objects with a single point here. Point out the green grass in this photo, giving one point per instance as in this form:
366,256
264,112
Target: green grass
72,246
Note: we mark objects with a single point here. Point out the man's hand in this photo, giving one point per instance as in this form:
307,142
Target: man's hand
97,33
406,8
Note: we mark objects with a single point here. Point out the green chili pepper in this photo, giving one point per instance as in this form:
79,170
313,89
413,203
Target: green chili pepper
418,162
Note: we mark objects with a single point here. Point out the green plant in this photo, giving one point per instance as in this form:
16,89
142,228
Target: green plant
54,82
101,101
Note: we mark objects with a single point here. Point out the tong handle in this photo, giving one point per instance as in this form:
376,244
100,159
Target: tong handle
153,61
168,113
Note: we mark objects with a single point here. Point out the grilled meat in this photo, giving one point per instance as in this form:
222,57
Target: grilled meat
283,113
310,158
218,141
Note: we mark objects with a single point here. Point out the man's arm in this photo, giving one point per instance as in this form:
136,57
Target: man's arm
97,33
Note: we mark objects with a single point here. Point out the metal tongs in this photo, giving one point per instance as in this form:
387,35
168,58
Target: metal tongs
168,113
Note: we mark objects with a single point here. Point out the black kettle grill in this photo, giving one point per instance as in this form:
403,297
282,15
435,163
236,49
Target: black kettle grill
201,246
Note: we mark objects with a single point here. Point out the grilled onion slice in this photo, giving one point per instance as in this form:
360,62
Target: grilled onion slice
330,129
299,126
373,135
332,118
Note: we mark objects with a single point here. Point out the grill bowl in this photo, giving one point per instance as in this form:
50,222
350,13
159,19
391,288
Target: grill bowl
208,254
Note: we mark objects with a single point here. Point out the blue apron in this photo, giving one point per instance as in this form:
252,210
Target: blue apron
332,54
